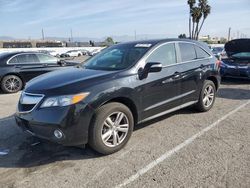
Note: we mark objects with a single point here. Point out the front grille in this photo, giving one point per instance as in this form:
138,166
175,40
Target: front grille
28,102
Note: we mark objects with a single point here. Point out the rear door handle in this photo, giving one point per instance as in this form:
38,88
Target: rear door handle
202,66
176,75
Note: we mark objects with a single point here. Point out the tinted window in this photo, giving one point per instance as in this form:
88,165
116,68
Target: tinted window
187,52
164,54
201,53
13,60
27,58
117,57
43,58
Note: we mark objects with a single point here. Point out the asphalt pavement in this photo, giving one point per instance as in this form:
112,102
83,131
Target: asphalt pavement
181,149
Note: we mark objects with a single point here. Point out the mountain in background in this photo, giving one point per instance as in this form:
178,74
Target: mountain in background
116,38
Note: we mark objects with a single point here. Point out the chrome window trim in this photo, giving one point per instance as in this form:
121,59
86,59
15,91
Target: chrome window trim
24,53
32,94
142,62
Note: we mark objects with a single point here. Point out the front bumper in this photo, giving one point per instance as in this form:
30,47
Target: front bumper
73,121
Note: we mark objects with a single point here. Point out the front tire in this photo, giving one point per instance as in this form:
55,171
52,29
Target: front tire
111,128
11,84
207,96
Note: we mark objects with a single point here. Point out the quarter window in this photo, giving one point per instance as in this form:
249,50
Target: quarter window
201,53
187,52
43,58
13,60
164,54
27,58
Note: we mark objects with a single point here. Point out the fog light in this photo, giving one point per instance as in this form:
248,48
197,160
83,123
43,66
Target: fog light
58,134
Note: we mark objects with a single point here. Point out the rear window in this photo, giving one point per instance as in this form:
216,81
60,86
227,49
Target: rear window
187,52
27,58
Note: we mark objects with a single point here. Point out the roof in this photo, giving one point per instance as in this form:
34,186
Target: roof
159,41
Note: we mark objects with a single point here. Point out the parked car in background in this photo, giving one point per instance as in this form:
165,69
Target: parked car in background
73,53
84,52
100,102
64,55
94,52
54,53
17,68
238,62
217,52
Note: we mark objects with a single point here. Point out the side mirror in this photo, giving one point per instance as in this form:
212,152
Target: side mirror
149,67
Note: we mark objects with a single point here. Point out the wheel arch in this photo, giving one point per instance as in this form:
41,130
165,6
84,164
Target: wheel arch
127,102
214,80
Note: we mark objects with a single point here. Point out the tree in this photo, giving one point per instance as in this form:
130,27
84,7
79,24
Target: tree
196,12
191,4
182,36
109,40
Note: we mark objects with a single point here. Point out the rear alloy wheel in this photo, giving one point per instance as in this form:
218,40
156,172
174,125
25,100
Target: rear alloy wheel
111,128
207,96
11,84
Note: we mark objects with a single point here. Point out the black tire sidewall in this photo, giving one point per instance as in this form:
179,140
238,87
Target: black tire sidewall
4,89
95,140
200,105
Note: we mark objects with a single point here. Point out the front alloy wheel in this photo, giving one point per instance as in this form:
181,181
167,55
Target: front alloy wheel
115,129
111,128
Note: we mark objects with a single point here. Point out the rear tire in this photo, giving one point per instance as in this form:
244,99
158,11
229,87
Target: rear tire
207,97
111,128
11,84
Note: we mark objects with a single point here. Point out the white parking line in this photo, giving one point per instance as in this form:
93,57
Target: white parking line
169,153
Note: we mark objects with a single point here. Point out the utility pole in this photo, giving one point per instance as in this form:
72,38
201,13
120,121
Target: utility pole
229,34
42,34
71,35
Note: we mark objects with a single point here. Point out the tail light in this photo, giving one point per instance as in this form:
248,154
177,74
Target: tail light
217,64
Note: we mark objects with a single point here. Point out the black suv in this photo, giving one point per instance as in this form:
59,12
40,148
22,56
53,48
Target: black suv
100,101
16,68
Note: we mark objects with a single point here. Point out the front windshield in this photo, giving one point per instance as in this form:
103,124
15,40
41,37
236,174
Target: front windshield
117,57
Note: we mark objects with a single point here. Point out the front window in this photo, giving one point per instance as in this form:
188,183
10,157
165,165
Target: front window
165,55
117,57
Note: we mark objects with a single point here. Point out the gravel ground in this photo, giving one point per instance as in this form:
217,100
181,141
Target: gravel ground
182,149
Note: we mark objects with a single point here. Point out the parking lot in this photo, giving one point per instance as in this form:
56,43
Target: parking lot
182,149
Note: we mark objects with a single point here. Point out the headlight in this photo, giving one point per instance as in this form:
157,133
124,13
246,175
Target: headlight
64,100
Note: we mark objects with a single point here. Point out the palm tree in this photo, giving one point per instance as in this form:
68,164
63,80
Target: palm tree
196,16
206,10
191,4
202,10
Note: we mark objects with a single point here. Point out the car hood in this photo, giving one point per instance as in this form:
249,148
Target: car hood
237,46
68,81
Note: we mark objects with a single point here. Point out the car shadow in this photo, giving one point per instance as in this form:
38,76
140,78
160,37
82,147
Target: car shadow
234,93
20,150
235,81
25,151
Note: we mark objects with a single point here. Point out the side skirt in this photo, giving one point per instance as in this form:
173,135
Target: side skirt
169,111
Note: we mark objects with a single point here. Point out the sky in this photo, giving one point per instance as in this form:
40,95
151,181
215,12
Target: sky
99,18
